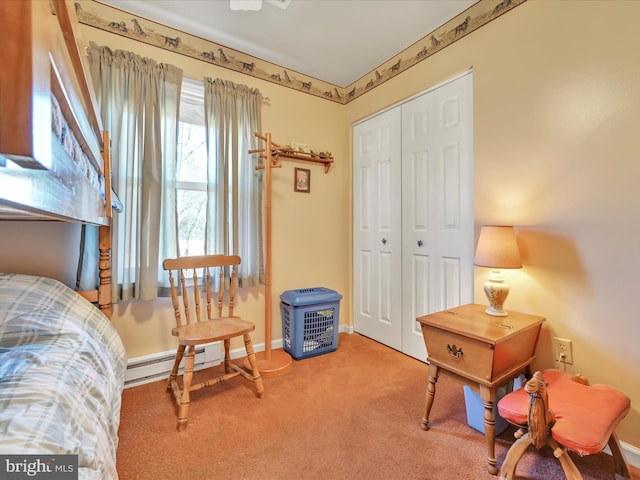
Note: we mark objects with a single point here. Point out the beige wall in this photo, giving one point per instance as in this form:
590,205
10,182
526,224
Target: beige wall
556,110
50,249
556,115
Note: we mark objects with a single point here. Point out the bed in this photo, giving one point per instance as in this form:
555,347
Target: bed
54,153
61,361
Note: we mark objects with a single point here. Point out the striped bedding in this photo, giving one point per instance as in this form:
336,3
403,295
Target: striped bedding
62,370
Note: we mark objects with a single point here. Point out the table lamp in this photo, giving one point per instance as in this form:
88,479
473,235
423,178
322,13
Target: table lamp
497,248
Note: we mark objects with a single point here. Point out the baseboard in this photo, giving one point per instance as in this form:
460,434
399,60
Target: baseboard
257,347
631,453
346,329
157,366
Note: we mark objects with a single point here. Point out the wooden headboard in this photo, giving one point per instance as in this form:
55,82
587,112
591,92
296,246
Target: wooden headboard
54,154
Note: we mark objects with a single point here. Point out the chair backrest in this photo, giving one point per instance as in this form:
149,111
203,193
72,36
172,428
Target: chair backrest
196,277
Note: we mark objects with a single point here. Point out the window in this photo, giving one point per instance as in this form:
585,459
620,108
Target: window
217,189
191,170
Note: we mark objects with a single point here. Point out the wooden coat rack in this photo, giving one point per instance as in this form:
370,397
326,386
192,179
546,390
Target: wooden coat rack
273,363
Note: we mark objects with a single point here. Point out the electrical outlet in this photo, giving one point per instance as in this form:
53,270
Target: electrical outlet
562,350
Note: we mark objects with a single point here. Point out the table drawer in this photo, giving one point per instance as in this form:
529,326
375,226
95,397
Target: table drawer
458,353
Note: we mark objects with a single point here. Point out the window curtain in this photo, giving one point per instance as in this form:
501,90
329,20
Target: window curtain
234,195
138,100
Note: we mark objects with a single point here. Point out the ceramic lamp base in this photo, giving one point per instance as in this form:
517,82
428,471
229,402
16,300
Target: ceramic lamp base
496,290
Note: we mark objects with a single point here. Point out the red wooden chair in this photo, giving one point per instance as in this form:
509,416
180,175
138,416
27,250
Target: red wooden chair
567,414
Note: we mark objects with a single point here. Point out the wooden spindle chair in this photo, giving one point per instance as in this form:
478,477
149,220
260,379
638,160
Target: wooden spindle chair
200,321
564,413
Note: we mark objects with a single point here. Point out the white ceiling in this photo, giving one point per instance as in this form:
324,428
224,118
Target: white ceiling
338,41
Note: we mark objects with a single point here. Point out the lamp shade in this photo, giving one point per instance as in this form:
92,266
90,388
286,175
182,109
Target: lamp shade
497,248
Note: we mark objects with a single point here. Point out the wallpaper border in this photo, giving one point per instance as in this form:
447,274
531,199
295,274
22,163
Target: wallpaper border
104,17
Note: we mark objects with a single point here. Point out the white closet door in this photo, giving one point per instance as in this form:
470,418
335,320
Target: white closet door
377,228
437,206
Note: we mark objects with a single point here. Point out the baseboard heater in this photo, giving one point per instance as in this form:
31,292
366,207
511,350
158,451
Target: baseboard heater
157,366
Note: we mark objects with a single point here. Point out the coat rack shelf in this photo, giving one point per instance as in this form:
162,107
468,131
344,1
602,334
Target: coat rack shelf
279,151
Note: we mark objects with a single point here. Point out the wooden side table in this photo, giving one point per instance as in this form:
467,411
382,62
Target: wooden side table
484,349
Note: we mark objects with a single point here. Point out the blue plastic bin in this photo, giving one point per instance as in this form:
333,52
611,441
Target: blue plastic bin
310,318
475,409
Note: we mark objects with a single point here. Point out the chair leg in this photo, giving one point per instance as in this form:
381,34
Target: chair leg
176,364
619,462
227,356
184,400
570,469
257,379
508,469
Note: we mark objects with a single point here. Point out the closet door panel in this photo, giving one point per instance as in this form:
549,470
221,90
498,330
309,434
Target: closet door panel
454,219
451,187
377,237
419,301
386,205
418,241
363,303
385,298
437,205
418,176
418,209
365,263
364,226
451,281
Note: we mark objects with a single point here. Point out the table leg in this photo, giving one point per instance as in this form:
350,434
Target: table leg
488,396
429,396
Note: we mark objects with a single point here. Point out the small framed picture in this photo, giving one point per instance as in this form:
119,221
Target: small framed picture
302,180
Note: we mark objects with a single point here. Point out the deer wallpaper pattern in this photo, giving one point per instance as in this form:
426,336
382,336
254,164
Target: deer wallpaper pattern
116,21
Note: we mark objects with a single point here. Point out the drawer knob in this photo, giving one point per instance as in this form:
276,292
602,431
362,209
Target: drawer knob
455,352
